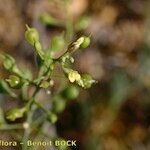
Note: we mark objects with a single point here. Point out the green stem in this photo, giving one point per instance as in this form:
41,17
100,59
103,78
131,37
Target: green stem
11,127
40,106
28,129
69,23
31,108
32,99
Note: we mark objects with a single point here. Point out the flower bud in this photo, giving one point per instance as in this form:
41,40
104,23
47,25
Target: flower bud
74,76
51,82
31,35
87,81
26,125
45,84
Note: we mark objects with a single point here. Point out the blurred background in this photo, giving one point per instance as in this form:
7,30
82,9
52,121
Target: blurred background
115,113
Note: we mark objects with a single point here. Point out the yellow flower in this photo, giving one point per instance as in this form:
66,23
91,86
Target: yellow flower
74,76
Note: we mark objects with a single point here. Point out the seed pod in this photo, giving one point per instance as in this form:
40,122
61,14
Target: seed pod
52,118
8,62
14,81
31,35
86,42
71,92
57,43
58,104
82,23
15,113
46,19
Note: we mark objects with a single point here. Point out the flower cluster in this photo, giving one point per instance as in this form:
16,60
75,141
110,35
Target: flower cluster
20,79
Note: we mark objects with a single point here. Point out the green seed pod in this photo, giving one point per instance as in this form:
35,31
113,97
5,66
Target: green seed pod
15,113
46,19
86,42
82,23
57,44
14,81
58,104
71,92
8,62
52,118
31,35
